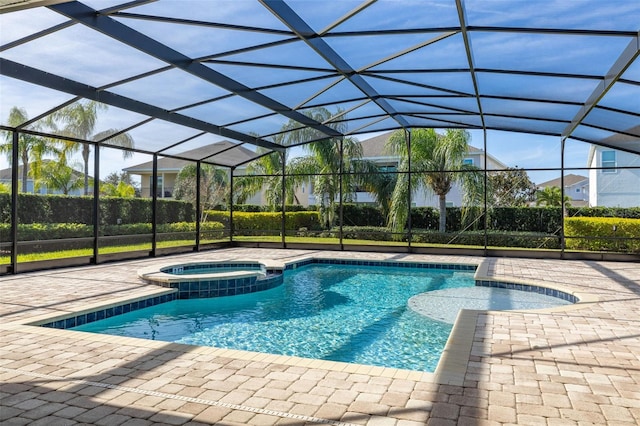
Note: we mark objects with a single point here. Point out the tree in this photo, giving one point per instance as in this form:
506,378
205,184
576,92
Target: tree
115,179
121,189
213,186
511,188
30,148
79,120
551,196
438,162
265,173
57,175
324,161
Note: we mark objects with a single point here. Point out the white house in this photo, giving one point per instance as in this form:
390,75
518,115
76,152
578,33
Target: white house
576,187
373,149
611,185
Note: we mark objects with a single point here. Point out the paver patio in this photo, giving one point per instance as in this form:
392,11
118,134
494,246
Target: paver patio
575,365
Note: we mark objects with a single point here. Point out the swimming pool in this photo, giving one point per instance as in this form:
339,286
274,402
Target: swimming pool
343,313
348,313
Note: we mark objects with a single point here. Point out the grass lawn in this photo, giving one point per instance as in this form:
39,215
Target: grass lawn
62,254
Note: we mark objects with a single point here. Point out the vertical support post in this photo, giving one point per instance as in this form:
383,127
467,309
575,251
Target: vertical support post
284,199
198,208
154,206
564,211
407,136
486,203
340,202
233,169
14,202
96,202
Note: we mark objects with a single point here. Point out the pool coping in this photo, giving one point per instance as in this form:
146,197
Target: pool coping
451,368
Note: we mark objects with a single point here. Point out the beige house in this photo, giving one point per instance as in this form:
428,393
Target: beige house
223,152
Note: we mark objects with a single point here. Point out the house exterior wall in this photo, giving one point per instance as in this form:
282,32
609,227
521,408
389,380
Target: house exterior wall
578,191
620,188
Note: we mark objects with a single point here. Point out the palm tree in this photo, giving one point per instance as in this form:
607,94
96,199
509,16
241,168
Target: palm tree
57,175
324,162
265,173
30,148
550,196
79,121
320,167
437,162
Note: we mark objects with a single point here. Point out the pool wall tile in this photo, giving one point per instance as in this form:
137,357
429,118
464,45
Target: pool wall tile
108,312
529,288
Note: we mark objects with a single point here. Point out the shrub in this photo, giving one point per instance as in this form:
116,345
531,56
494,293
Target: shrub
603,234
262,221
35,208
372,233
362,215
58,231
494,239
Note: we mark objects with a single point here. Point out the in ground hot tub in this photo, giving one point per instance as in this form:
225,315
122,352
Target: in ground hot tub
214,279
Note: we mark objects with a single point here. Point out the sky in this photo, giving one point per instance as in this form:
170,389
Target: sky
72,53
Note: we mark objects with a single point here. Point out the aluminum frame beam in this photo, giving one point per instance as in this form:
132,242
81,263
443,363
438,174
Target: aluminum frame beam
300,27
624,61
118,31
35,76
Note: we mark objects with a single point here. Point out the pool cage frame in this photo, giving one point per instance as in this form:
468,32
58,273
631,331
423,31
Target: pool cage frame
297,28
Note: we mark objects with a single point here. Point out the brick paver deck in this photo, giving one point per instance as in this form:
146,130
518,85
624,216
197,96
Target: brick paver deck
579,365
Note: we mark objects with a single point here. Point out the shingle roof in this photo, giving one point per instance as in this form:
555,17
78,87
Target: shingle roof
223,153
569,180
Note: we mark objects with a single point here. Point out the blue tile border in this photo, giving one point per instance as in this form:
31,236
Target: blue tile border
381,263
529,288
209,267
207,288
109,312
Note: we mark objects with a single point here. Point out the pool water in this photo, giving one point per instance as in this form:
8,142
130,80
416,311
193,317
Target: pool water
345,313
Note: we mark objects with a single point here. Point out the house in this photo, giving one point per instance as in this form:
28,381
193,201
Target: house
168,168
373,149
576,187
611,185
5,178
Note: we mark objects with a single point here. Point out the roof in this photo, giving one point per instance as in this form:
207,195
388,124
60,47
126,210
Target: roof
561,69
229,151
569,180
375,147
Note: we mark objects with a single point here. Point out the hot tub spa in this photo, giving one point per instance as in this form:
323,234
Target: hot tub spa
196,280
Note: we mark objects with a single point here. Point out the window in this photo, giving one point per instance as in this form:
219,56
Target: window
468,161
577,189
609,161
159,186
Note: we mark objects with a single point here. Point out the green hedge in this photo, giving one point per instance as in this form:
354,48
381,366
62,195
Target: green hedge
362,215
426,236
265,209
56,231
263,221
34,208
598,234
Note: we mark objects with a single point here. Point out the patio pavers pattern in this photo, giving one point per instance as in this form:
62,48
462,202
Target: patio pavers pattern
574,366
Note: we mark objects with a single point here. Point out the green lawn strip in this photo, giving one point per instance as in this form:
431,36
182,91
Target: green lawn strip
62,254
